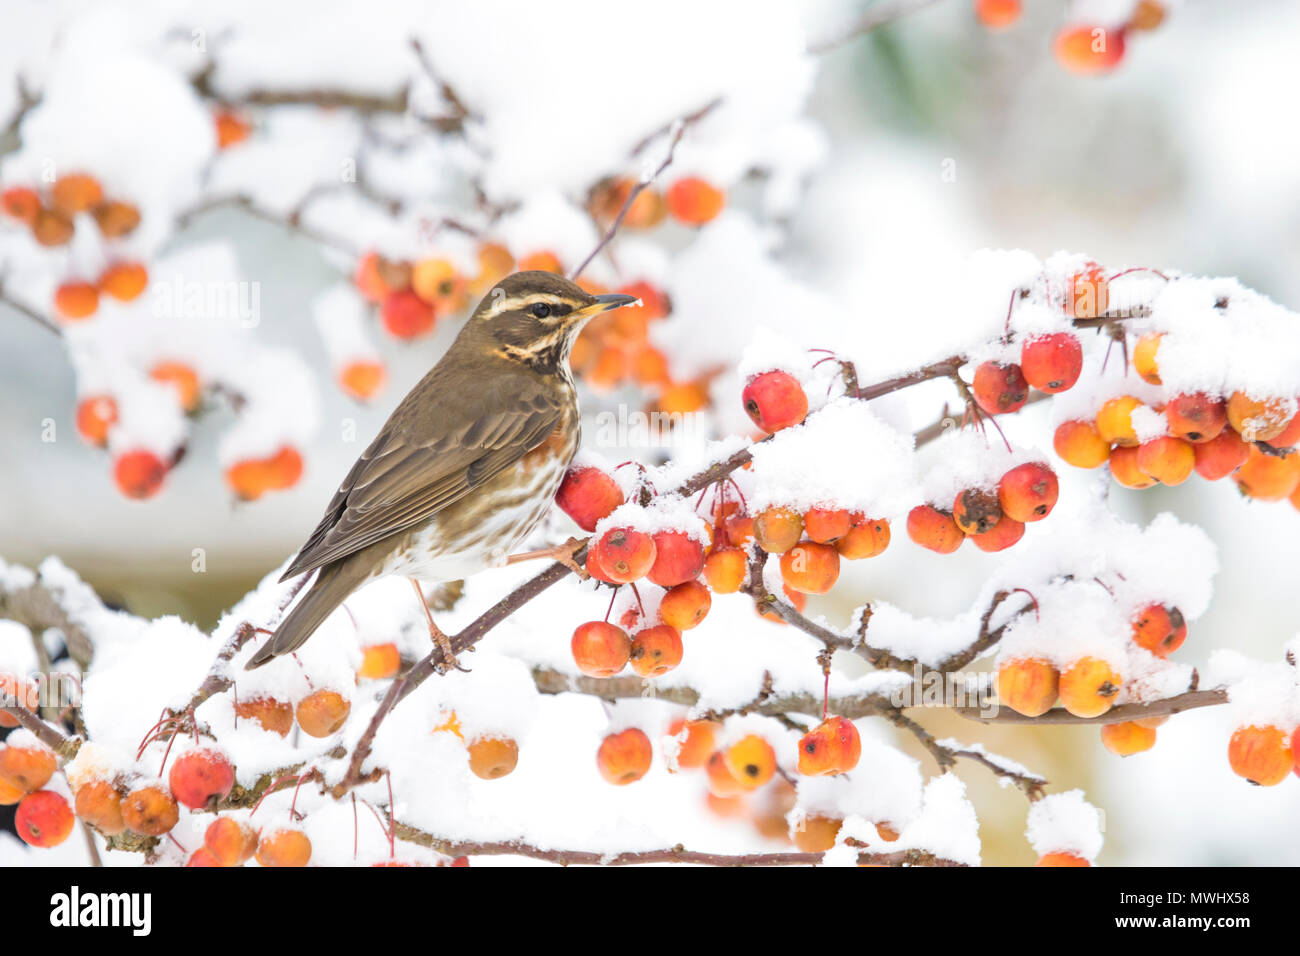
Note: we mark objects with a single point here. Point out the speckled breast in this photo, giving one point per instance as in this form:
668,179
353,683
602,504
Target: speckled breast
490,523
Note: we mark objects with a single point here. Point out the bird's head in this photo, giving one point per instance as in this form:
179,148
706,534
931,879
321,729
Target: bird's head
533,317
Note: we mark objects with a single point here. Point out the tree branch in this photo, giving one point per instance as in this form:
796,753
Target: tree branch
1136,711
676,854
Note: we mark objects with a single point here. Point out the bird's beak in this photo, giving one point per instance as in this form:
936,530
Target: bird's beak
603,303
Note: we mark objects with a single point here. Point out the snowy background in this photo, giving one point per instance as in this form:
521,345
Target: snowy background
861,181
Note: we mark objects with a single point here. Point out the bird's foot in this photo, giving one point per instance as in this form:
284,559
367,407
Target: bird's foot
562,553
447,659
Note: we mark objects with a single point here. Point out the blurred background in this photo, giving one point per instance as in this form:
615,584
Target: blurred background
1184,157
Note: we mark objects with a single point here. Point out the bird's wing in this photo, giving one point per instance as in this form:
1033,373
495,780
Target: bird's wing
406,477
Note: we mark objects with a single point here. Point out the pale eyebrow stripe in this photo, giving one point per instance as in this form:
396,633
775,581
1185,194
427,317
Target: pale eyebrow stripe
520,301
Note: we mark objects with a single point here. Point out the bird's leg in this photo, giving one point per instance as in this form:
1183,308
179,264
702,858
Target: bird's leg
435,633
561,552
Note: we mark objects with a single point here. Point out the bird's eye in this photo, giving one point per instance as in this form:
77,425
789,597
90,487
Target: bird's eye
541,310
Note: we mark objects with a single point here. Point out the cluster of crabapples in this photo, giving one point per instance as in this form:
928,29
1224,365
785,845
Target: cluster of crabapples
118,804
1250,438
690,569
52,220
1089,686
139,473
1082,48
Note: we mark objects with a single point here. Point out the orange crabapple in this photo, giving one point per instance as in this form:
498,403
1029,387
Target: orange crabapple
1289,436
751,760
75,193
693,201
810,568
44,819
1001,536
183,379
625,554
722,782
273,715
609,197
600,649
594,569
694,742
230,842
283,846
1088,293
1115,421
51,227
866,538
997,14
362,379
1052,363
1221,456
1160,628
494,263
541,261
115,219
832,747
76,300
587,495
825,525
322,712
124,281
656,650
777,529
28,765
1061,859
379,661
438,283
1261,754
724,570
976,510
21,203
1259,419
1196,417
1145,353
654,302
201,776
1078,443
96,414
934,529
1147,15
678,558
370,278
1089,686
775,400
1167,459
232,129
740,529
1088,50
624,757
1124,468
685,606
139,474
999,389
1127,738
1028,686
816,832
9,794
1028,492
202,857
150,810
13,687
733,807
492,756
1265,477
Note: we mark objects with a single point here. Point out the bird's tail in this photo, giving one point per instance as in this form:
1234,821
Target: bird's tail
330,589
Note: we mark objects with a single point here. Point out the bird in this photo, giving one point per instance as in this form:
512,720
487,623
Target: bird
466,466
